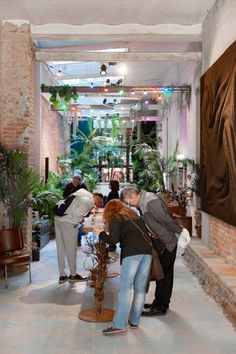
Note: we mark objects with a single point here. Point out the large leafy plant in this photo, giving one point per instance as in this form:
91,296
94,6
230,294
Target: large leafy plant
17,184
156,169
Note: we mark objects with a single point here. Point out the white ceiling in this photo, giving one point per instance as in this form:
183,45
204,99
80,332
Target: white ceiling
162,38
110,12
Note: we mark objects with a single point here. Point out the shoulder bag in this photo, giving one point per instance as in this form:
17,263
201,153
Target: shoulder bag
156,271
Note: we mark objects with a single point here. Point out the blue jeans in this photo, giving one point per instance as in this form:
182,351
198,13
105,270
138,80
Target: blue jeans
134,273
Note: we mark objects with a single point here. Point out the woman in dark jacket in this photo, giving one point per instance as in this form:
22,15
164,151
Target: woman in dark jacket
127,228
114,193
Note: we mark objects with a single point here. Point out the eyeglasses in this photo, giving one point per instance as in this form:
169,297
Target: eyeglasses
128,202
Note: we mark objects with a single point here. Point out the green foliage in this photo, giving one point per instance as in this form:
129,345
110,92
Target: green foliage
195,185
84,161
66,93
45,196
17,181
20,188
156,168
182,196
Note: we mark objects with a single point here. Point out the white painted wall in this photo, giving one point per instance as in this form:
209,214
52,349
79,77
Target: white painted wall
219,32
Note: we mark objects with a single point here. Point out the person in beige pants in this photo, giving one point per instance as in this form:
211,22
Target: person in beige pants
66,230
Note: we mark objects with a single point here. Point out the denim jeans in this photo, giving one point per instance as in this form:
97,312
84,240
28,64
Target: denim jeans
134,273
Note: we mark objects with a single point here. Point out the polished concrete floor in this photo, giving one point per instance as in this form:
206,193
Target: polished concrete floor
42,318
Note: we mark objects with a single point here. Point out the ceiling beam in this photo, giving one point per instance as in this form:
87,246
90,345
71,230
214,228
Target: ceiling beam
149,47
84,76
126,89
45,55
123,32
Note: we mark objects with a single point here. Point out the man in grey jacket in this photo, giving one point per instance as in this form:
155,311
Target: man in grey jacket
66,229
160,222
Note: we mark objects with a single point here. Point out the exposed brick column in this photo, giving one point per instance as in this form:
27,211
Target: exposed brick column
17,93
223,240
17,87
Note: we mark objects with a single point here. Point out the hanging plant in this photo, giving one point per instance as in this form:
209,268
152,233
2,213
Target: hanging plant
167,98
183,99
61,96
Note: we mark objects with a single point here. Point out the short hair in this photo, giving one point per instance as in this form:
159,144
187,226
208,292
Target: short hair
128,191
100,195
76,174
114,185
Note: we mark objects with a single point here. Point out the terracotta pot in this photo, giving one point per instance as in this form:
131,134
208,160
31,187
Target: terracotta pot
177,210
182,211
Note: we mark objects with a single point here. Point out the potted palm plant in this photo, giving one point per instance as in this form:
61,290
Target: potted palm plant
17,184
156,168
195,187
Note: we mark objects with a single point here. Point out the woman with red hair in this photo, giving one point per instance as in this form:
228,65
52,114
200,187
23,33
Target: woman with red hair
127,228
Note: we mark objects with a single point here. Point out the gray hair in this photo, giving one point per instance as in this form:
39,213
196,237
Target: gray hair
128,191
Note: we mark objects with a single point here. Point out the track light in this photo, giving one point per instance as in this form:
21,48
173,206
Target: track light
119,82
104,101
103,70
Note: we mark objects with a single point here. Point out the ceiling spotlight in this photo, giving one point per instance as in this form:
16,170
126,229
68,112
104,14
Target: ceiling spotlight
91,84
103,70
108,82
115,101
119,82
58,72
104,101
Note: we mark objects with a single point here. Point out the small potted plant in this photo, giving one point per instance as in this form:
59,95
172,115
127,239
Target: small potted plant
182,197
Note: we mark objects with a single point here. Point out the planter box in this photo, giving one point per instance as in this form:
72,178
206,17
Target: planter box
42,235
35,255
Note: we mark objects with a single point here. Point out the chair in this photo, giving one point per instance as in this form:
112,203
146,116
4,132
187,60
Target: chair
13,251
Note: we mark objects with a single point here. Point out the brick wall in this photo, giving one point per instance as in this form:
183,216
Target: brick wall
17,87
216,277
17,93
54,137
223,239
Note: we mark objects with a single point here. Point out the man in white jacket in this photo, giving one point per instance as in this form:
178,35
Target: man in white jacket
66,229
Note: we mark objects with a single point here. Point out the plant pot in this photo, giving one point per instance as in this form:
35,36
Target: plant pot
35,255
182,211
17,234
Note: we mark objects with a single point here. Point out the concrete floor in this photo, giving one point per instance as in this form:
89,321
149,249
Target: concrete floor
42,318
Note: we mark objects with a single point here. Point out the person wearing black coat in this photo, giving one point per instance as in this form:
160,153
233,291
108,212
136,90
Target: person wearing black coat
161,223
74,185
127,228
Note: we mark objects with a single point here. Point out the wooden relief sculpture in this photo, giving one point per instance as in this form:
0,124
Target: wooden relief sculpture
218,138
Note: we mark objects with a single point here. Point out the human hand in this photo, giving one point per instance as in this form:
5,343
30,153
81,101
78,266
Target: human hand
97,229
